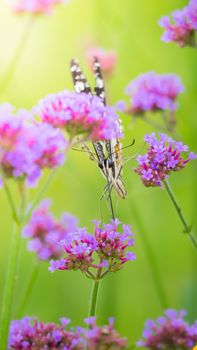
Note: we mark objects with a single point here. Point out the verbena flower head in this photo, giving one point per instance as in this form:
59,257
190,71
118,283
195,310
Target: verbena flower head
80,114
163,157
170,331
154,92
34,6
104,337
30,334
105,250
181,29
26,146
44,231
107,59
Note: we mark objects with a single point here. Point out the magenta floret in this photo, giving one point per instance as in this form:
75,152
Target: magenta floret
181,29
80,114
163,157
154,92
45,231
104,337
27,147
34,6
104,251
30,334
170,331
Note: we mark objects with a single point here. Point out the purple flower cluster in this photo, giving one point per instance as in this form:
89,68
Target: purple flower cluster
169,332
80,114
183,26
153,92
27,147
34,6
30,334
45,232
105,337
164,156
105,250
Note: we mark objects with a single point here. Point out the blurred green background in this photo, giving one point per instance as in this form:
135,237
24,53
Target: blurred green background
130,28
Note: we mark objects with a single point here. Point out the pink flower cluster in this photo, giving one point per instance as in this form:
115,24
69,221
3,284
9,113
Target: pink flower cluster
45,231
107,59
183,26
27,147
80,114
30,334
170,331
105,250
105,337
34,6
153,92
163,157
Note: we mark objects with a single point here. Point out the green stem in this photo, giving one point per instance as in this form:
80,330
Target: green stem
12,268
17,55
28,290
11,202
40,194
187,228
152,123
94,295
10,284
152,260
165,120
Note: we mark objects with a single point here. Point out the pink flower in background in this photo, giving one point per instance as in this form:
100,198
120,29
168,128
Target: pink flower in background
27,147
80,114
30,334
44,231
34,6
170,331
104,337
164,156
152,92
107,59
181,29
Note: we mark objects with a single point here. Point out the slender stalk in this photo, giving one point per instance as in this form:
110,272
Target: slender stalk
17,55
165,120
94,295
187,228
11,202
10,283
151,260
153,124
40,193
28,290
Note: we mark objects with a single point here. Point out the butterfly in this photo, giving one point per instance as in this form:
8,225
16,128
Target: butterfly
107,153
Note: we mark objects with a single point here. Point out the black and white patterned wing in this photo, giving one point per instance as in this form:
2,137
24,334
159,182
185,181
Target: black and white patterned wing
79,80
112,147
99,88
81,85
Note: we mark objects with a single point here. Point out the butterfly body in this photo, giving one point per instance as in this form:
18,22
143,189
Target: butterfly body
107,153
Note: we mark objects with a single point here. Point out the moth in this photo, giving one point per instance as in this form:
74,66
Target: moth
108,153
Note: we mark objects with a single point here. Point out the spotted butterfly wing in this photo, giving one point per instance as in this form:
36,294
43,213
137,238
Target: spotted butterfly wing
81,85
112,146
108,152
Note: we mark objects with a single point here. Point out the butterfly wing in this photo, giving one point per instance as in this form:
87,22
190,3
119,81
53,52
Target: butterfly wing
112,146
82,86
